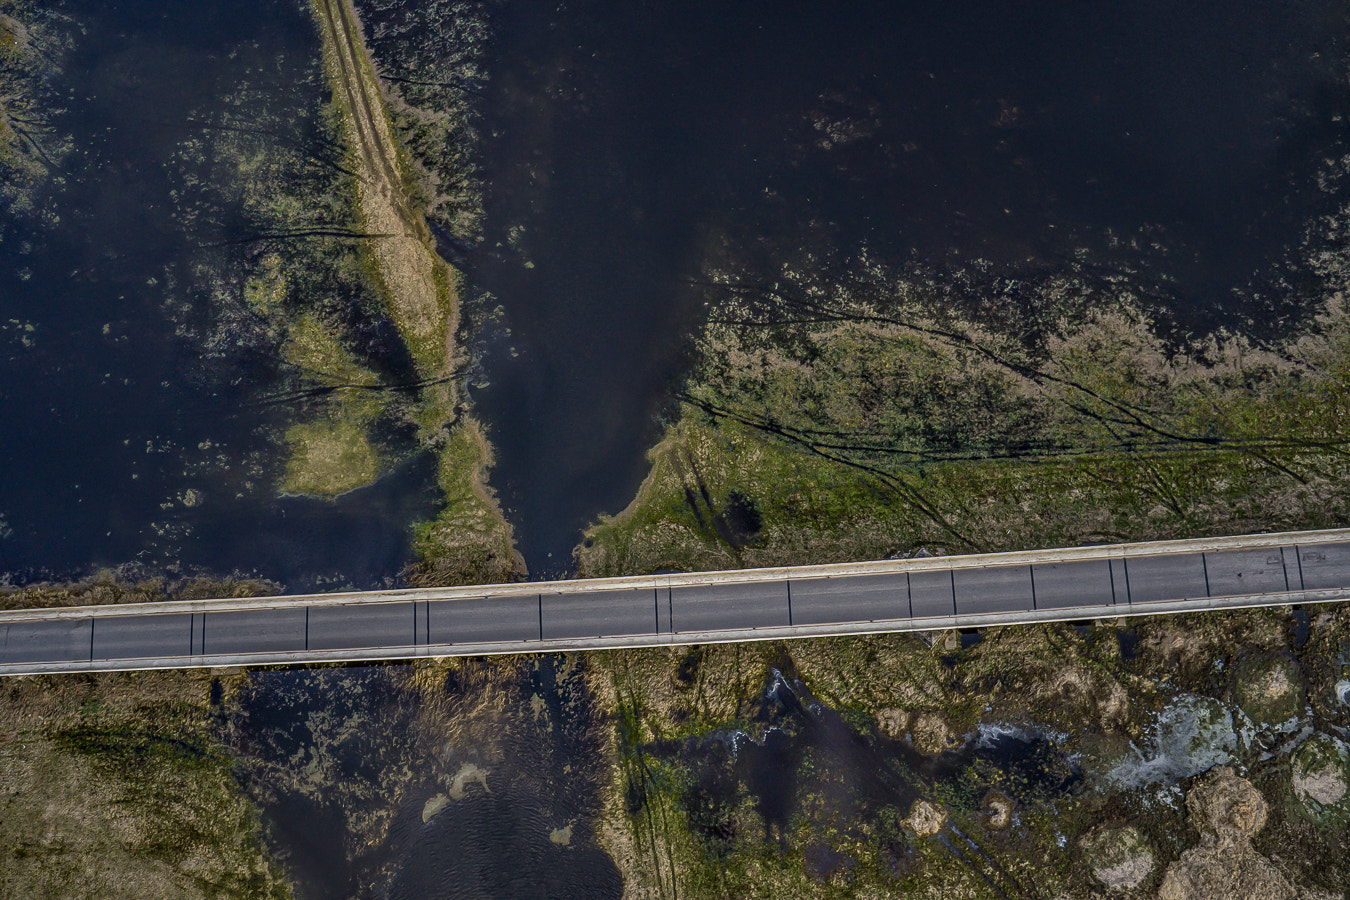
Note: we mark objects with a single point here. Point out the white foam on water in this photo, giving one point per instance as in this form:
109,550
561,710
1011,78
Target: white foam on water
1192,734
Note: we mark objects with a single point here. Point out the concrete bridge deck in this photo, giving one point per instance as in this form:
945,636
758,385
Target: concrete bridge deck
753,604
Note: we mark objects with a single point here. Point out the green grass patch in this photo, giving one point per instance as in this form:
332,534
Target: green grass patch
329,458
468,542
333,454
862,441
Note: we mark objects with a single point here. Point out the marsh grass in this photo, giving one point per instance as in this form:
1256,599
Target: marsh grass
334,453
866,439
684,822
469,541
112,587
32,48
117,788
326,459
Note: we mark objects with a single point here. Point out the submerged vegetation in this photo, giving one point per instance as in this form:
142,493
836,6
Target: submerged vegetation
418,777
466,543
31,148
470,540
834,413
329,267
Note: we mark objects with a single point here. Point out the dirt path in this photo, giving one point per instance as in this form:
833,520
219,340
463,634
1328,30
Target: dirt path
419,285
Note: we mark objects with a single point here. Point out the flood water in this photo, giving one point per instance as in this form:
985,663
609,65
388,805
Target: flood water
628,149
137,422
626,153
480,784
802,764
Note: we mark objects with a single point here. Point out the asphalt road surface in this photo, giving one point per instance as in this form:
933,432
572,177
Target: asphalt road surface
974,591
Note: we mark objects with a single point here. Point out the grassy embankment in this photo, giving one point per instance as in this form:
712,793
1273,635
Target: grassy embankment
878,434
11,65
102,591
470,541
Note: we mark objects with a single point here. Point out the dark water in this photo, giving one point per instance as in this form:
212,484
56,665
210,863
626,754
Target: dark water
626,151
630,147
135,427
327,752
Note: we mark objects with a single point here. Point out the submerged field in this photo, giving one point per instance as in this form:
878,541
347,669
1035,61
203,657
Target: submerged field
1168,757
865,431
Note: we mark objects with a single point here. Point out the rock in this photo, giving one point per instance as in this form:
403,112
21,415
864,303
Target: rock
998,810
1321,779
1227,810
1119,857
1224,870
926,818
1101,699
1222,803
927,730
930,733
892,723
1267,687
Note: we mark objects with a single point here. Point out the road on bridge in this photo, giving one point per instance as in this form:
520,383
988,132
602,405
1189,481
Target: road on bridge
890,595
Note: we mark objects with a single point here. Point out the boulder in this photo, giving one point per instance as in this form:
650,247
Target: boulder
1269,689
930,733
1227,810
1119,857
1221,803
1321,779
892,723
997,810
926,818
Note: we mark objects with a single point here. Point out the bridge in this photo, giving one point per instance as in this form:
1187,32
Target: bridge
975,591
